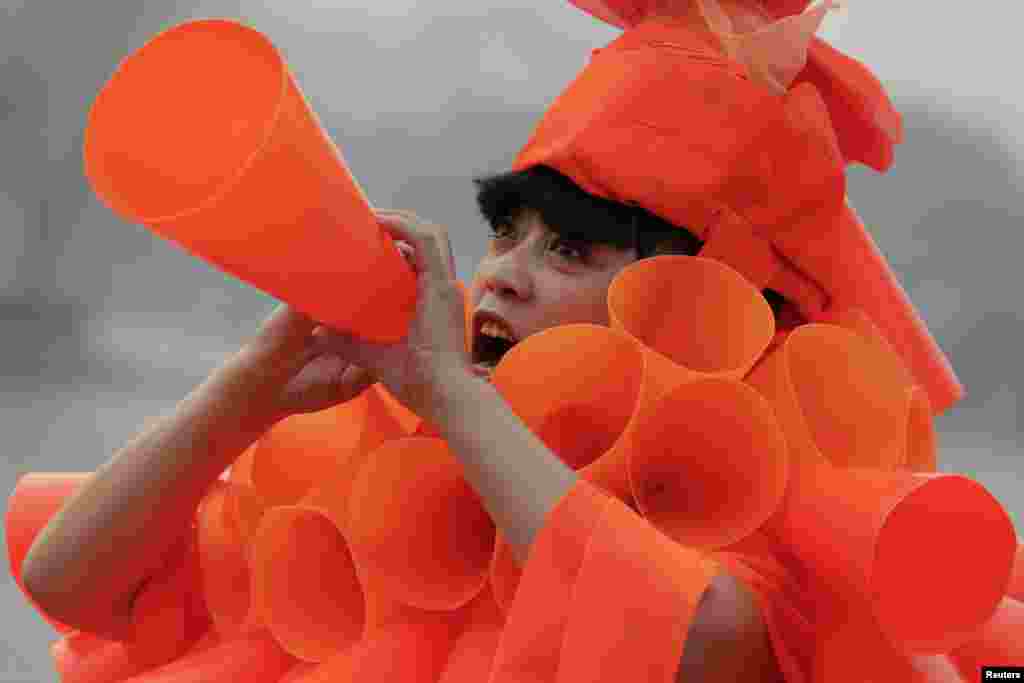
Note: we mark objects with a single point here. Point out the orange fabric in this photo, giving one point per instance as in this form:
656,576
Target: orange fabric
346,546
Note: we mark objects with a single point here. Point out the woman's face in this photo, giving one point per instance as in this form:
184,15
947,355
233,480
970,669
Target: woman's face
534,279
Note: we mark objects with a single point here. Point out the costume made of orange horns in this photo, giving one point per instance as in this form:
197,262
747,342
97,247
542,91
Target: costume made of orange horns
816,438
820,438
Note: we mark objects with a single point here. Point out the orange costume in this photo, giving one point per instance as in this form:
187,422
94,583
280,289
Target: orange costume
345,545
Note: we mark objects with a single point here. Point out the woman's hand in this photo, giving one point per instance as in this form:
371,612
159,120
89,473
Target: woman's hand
411,368
307,367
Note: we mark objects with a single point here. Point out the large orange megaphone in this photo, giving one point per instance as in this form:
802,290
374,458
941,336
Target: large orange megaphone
204,136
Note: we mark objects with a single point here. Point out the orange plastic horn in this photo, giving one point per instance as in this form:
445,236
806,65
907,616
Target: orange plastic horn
37,497
244,177
716,444
224,519
840,399
708,319
305,583
710,323
288,592
575,386
299,451
876,535
431,552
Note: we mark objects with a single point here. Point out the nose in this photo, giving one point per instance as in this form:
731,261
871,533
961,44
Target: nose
507,275
504,284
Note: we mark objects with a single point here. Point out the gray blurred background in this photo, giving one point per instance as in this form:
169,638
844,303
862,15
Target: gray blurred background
104,326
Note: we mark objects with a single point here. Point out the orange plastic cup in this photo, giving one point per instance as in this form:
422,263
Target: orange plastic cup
376,562
204,136
707,463
305,583
575,386
433,551
36,498
300,451
225,518
839,398
709,319
902,542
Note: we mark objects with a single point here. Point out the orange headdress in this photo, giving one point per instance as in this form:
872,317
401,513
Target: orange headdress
728,117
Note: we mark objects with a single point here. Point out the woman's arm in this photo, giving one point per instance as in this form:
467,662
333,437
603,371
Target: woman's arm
89,562
520,481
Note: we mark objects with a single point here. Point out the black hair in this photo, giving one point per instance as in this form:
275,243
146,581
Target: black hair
571,213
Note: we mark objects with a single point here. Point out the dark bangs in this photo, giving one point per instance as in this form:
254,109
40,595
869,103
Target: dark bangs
577,215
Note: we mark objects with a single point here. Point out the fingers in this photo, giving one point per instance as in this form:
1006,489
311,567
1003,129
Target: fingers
432,248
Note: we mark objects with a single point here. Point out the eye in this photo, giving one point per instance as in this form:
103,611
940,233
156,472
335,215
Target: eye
501,231
580,249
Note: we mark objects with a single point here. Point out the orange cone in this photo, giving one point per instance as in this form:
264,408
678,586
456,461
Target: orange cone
244,177
305,583
708,319
300,450
900,541
289,592
577,409
717,335
225,556
433,550
839,398
716,445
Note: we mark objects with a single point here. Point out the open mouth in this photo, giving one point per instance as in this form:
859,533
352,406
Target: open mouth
492,339
487,351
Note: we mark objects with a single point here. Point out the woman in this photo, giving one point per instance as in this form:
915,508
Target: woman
746,168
